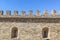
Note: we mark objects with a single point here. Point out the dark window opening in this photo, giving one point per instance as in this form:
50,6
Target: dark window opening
14,32
45,32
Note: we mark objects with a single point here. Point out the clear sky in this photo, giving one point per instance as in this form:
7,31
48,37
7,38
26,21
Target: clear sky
30,5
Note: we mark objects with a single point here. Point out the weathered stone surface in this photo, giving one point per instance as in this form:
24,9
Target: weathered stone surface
29,29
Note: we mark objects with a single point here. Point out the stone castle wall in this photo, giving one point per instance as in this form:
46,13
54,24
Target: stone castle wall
30,27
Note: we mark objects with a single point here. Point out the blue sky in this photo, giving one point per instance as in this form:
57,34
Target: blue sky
30,5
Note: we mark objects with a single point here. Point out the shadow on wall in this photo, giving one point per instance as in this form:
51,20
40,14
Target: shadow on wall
31,20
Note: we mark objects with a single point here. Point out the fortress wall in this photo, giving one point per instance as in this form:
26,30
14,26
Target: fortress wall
30,27
29,31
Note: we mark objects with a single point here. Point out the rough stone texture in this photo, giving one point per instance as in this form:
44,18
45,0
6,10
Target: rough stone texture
29,26
29,29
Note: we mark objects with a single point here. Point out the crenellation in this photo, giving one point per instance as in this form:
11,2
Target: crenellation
30,12
54,12
23,13
38,13
8,13
15,13
45,12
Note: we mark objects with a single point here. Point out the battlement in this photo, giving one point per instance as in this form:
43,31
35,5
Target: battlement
23,15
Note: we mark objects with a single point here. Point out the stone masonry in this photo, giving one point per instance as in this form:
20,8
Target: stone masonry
30,27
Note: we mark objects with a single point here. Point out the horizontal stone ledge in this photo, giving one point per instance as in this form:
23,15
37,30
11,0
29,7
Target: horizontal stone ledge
42,16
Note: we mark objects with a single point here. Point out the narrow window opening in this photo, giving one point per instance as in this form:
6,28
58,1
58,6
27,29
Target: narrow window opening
14,32
45,32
